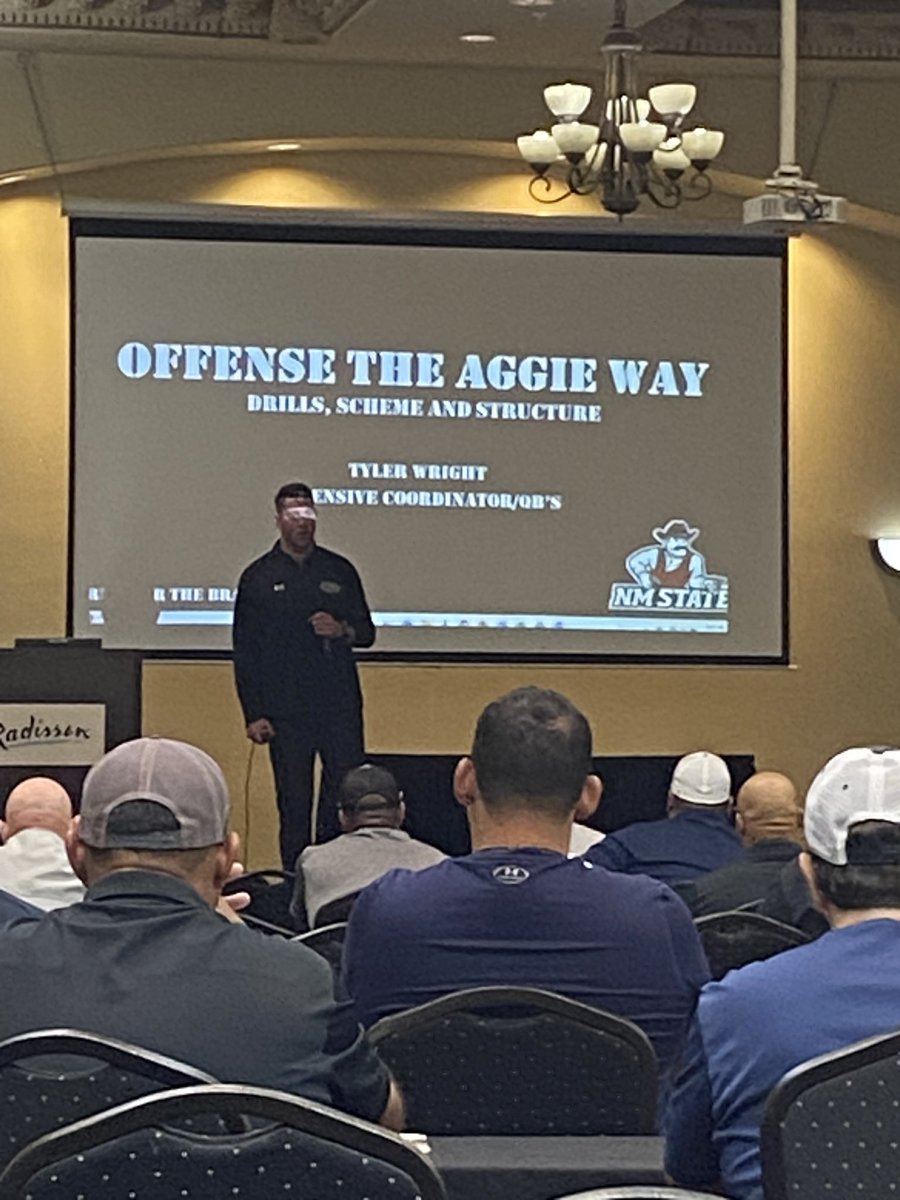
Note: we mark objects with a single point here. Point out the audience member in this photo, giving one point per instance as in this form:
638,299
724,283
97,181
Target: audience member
788,900
517,910
761,1021
371,812
34,864
768,818
696,837
145,957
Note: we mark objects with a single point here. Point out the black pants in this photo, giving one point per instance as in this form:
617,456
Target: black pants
337,738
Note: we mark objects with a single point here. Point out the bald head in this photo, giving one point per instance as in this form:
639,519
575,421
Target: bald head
37,803
768,807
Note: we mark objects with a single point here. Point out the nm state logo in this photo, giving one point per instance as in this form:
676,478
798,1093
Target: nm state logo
510,874
670,574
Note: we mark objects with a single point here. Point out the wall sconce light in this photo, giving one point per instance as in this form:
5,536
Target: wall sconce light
886,552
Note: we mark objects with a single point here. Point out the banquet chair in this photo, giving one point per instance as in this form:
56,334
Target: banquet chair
523,1061
830,1126
337,911
733,939
53,1077
270,896
292,1147
641,1192
327,940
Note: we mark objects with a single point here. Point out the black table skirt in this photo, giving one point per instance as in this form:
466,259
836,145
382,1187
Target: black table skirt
634,789
543,1168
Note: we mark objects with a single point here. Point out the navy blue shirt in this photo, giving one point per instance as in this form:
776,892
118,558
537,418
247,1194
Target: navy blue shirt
754,1026
532,918
678,848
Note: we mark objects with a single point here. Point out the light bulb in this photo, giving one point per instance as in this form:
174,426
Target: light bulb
701,144
567,100
673,99
538,147
640,137
671,160
572,137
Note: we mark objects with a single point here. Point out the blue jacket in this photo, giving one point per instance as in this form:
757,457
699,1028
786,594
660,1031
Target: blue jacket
678,848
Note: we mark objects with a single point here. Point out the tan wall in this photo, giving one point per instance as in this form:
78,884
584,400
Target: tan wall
844,432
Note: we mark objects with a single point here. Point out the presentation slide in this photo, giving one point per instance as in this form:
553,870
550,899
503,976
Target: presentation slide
564,451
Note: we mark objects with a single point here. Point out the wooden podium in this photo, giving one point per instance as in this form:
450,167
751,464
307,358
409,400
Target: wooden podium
63,702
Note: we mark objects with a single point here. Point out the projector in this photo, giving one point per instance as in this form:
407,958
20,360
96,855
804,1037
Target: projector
798,207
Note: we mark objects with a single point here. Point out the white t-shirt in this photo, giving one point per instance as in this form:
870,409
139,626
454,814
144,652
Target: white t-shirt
35,867
582,838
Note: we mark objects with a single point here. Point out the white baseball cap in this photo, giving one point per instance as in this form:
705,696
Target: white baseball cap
861,784
701,778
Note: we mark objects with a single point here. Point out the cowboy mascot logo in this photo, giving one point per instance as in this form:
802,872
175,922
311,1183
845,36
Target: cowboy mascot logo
670,574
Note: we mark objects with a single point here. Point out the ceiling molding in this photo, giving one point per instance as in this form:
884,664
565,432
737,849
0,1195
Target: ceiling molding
752,31
301,21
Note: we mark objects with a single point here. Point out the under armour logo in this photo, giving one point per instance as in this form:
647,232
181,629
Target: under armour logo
510,874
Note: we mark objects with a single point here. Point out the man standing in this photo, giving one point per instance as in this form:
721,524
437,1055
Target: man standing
756,1024
148,956
697,836
300,610
769,819
34,864
517,910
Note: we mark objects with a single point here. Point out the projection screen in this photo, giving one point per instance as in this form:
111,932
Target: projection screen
567,448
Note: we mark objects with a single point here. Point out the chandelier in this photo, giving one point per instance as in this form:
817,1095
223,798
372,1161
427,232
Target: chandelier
639,147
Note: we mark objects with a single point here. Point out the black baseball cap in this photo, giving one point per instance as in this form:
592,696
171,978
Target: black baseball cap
368,786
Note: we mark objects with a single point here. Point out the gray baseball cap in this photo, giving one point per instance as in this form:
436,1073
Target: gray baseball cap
184,790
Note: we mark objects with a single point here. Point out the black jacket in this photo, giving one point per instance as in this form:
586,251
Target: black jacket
282,668
743,882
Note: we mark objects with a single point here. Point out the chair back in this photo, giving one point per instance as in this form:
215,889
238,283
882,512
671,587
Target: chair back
642,1192
337,912
53,1077
327,940
294,1147
523,1061
830,1126
733,939
270,896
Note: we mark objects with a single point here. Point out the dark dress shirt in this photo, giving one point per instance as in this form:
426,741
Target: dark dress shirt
788,900
13,909
691,843
282,667
145,959
743,882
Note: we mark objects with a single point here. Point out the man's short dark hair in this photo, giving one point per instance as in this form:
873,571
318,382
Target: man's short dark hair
871,878
292,491
532,744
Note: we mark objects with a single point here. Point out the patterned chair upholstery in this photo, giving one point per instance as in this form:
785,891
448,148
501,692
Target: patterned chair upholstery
831,1126
519,1061
54,1077
733,939
295,1148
